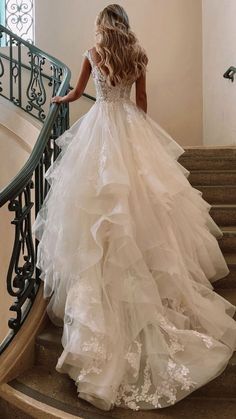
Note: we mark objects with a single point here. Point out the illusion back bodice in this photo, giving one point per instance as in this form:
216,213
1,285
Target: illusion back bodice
104,92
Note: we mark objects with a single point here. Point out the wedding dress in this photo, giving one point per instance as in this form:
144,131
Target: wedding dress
127,252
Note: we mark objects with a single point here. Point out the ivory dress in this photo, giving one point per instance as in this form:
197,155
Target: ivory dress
127,252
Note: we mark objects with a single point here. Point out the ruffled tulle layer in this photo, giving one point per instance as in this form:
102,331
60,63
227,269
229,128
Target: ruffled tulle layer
127,253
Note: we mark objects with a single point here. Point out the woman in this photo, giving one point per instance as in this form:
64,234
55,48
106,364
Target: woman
127,248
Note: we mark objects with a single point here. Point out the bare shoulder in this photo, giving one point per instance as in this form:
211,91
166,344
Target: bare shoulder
94,54
92,49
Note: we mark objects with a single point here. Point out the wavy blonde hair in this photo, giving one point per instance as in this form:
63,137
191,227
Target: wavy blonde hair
122,59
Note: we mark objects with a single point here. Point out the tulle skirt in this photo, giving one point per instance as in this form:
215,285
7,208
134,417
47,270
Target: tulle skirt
127,252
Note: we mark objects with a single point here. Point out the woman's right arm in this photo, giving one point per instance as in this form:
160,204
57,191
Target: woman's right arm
141,94
80,85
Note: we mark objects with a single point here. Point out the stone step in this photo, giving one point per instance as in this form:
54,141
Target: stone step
228,241
215,194
224,214
229,294
9,411
225,384
210,151
59,391
208,163
212,177
48,347
213,158
229,281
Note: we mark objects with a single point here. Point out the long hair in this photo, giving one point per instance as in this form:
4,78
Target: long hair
122,59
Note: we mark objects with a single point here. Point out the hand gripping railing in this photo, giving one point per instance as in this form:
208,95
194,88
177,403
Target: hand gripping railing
29,78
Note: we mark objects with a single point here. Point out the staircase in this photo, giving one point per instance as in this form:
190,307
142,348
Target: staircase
41,392
213,172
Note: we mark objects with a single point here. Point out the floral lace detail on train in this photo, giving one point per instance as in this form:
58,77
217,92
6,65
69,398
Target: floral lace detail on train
104,92
174,378
94,347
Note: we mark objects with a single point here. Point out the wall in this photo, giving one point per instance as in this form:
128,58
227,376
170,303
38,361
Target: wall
170,31
219,53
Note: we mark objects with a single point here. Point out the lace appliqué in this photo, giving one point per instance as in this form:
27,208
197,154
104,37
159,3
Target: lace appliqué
207,340
134,358
97,347
99,354
85,371
98,165
176,377
104,92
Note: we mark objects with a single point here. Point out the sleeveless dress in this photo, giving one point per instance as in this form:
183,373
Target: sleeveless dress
127,252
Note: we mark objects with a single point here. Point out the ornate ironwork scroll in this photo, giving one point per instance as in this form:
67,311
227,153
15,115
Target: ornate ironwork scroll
36,92
19,16
20,278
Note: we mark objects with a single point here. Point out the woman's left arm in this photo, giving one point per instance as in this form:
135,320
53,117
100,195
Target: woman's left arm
81,84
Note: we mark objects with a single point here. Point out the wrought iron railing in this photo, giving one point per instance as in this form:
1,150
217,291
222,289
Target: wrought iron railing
29,78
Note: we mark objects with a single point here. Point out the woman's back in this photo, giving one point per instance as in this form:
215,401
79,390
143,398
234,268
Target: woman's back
104,91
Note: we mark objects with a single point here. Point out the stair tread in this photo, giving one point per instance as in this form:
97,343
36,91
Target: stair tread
62,391
215,186
223,205
228,228
209,159
60,388
210,171
230,258
50,336
209,147
229,294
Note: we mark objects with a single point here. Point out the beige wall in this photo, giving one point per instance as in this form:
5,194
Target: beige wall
170,31
219,53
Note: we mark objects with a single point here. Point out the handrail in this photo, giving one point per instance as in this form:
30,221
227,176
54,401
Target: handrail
23,176
230,73
27,67
26,171
23,279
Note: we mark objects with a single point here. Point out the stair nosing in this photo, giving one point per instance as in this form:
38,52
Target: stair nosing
215,186
223,206
228,256
213,171
72,409
57,404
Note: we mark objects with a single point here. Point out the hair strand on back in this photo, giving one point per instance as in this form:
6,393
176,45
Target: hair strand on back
122,59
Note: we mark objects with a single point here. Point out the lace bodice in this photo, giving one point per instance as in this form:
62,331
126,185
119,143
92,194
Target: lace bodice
104,92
